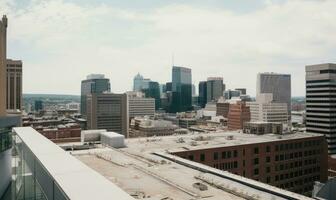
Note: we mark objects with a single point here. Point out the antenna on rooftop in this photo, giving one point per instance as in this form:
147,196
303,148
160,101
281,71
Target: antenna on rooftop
173,59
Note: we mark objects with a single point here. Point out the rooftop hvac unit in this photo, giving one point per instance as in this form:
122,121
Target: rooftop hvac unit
112,139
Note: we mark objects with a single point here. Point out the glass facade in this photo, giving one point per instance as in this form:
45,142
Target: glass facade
181,90
95,86
5,139
153,91
30,179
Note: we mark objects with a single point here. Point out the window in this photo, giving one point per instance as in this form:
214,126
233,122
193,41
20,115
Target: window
277,158
268,169
268,179
202,157
235,164
215,156
191,157
223,154
256,171
268,149
229,154
268,159
235,153
256,161
256,150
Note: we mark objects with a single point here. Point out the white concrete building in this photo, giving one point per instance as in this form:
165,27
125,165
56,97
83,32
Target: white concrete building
265,110
139,106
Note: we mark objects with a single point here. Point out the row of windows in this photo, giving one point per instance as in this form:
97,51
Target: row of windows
319,86
321,96
290,146
226,166
287,166
318,116
296,173
320,81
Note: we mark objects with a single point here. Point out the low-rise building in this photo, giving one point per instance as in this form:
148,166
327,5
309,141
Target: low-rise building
261,128
145,127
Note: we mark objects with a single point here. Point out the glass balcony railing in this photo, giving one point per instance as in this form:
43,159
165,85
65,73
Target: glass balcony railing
5,139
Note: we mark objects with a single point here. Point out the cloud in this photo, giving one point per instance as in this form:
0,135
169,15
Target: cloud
63,41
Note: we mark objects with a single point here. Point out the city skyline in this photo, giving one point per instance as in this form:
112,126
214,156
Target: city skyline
122,39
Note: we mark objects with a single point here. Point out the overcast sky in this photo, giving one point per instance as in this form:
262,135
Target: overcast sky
61,41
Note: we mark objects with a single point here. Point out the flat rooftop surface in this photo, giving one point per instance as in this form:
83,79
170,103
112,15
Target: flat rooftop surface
145,169
194,141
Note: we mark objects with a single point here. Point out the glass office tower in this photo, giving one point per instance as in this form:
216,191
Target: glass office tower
153,91
181,90
94,84
202,93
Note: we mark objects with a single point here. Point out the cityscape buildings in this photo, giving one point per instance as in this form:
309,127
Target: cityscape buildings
215,88
6,121
277,84
229,149
94,84
153,91
181,89
320,102
108,111
140,83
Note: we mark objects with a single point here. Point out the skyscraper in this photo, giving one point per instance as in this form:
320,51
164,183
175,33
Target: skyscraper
277,84
214,88
140,83
202,93
94,84
320,102
3,57
14,84
108,111
153,91
181,89
137,82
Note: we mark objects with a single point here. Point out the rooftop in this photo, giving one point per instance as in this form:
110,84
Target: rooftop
146,169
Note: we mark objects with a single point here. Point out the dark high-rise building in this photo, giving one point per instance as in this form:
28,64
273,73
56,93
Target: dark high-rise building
320,102
202,93
108,111
169,86
181,90
94,84
214,88
38,105
277,84
153,91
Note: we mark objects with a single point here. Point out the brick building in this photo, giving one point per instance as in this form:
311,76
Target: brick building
62,133
238,114
222,109
292,162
